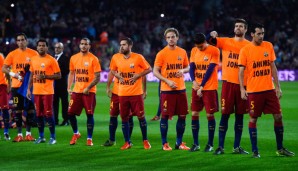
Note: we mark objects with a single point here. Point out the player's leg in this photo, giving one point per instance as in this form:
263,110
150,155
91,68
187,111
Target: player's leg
40,118
75,108
196,106
125,110
182,110
48,111
89,102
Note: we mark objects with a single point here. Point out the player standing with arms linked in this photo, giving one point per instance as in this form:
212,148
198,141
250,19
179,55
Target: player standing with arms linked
257,58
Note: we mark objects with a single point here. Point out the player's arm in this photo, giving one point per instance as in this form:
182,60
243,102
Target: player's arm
93,83
144,81
156,72
117,75
109,82
55,76
70,81
211,38
7,76
275,80
6,70
141,74
192,68
207,76
28,95
241,81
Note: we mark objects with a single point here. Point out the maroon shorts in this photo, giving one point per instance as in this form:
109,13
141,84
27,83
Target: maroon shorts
231,101
43,105
114,105
3,97
131,104
209,100
173,104
78,101
263,102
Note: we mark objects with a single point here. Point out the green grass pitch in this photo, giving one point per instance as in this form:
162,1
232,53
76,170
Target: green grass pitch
62,156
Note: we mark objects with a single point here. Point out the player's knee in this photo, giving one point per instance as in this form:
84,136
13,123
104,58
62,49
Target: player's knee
277,117
194,113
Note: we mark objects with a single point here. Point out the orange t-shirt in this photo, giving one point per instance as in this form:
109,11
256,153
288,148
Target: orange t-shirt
18,59
135,64
115,89
257,61
84,67
2,75
46,66
171,61
230,54
202,59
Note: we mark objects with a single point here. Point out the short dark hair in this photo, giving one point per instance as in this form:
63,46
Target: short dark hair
199,38
21,34
87,40
128,40
241,20
42,40
254,26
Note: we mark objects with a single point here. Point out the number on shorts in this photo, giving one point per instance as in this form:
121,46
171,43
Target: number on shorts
111,105
70,102
252,106
15,100
223,102
165,104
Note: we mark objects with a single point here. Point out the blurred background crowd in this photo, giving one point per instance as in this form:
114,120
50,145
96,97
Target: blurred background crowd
106,21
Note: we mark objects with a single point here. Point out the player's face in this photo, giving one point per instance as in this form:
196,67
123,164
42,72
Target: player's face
42,48
124,47
21,42
240,29
171,38
258,36
201,46
84,46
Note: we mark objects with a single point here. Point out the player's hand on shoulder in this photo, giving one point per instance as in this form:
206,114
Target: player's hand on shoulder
213,34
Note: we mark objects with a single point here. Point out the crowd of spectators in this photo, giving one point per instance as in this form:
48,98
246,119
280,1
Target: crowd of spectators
106,21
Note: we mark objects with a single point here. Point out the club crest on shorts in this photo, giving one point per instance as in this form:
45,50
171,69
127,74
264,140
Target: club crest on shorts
266,54
42,65
206,58
131,65
86,64
179,58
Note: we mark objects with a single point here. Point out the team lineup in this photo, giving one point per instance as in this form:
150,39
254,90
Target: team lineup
250,86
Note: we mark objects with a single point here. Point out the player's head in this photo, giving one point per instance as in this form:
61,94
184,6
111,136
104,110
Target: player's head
125,45
240,27
58,48
171,35
42,47
200,41
85,45
257,33
21,39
